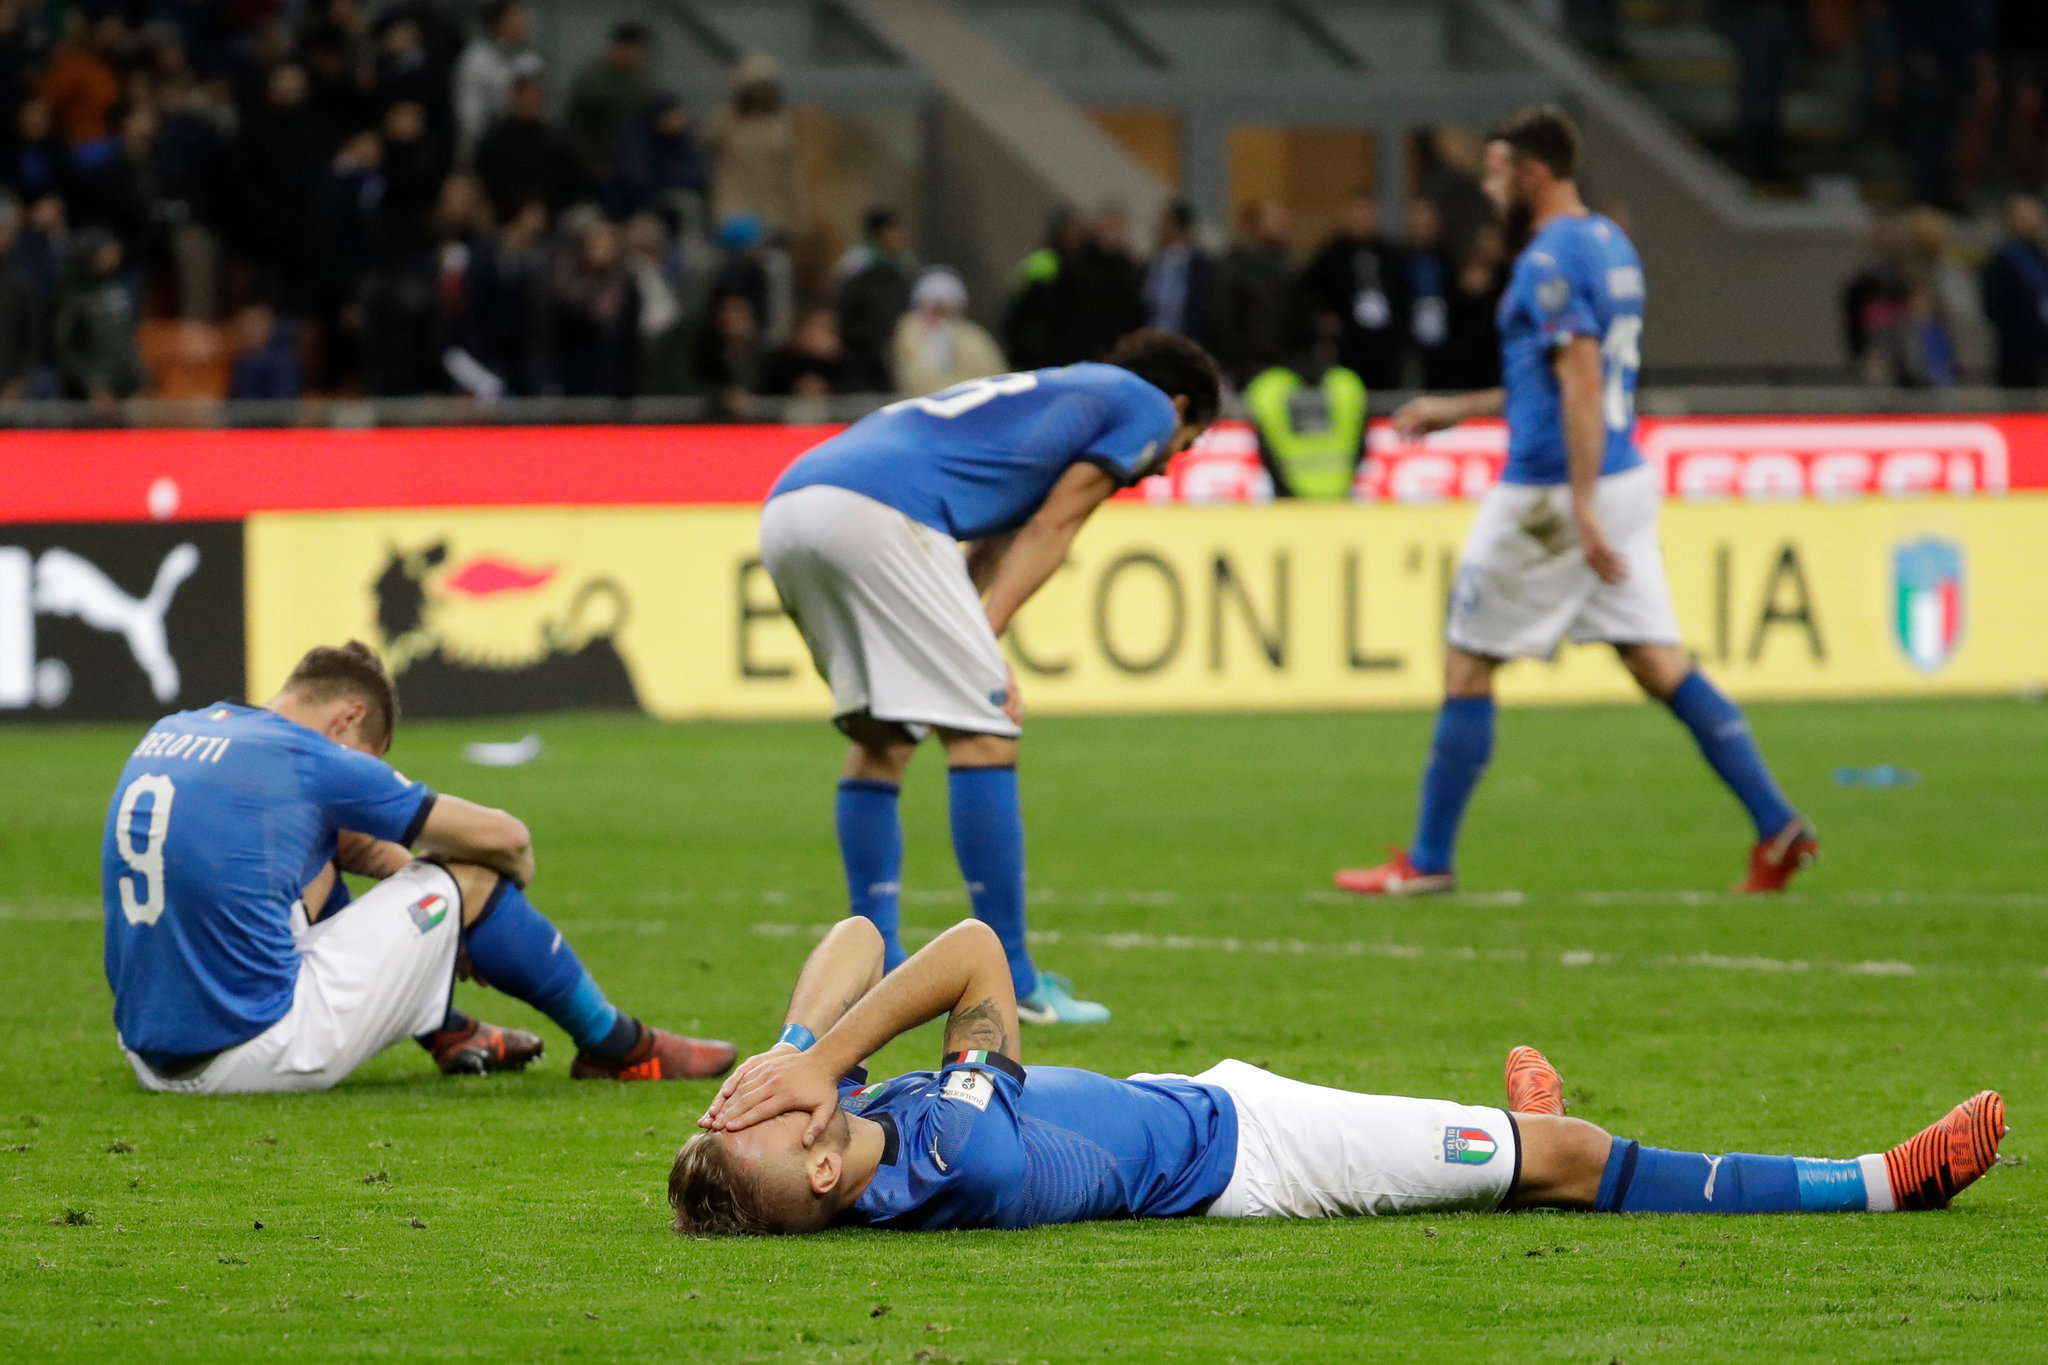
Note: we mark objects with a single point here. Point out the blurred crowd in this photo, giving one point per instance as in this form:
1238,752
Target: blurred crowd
1907,310
383,203
1400,309
1956,86
399,200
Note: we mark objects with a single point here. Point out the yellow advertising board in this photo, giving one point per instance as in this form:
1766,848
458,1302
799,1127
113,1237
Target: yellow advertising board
1157,609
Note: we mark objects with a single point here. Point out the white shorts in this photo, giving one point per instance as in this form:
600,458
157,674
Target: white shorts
1523,586
374,973
892,619
1306,1151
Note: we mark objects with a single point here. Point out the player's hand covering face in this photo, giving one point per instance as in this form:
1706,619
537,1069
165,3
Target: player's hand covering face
772,1084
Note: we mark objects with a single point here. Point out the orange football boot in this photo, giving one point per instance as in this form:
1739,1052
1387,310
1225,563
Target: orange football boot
478,1048
1772,862
1938,1163
659,1056
1395,877
1534,1087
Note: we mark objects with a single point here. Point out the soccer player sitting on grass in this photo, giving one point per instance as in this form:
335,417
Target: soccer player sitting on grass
797,1141
863,539
237,959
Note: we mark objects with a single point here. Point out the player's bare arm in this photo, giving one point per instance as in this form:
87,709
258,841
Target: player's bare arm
1580,380
465,832
845,966
1439,412
1041,546
962,973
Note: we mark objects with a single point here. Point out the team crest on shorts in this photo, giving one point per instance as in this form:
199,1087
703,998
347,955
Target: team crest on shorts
428,911
1468,1146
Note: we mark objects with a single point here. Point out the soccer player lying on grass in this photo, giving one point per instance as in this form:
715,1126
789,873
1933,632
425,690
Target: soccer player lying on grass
797,1141
238,962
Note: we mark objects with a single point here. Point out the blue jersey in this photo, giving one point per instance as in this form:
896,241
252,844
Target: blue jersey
981,457
1579,277
221,818
984,1143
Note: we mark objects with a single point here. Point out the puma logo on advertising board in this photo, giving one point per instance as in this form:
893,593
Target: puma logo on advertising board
62,583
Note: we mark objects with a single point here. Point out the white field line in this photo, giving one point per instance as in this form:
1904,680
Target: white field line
1402,952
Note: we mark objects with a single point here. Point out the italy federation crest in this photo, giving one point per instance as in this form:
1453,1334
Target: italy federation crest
428,911
1927,593
1468,1146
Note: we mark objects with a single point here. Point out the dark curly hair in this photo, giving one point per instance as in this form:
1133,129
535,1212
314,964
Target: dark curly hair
1176,367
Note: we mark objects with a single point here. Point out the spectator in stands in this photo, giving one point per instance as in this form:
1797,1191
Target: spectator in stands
936,346
509,302
730,358
95,325
83,82
489,71
1361,278
341,89
42,159
1470,356
350,234
21,316
658,159
41,250
743,269
1179,277
191,162
1108,286
1256,297
283,169
813,362
415,163
266,356
672,288
1873,298
874,291
606,96
2015,295
525,157
466,268
1429,288
595,317
1038,328
753,149
116,187
407,72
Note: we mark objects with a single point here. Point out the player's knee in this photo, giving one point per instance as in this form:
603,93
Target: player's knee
1562,1160
476,885
964,750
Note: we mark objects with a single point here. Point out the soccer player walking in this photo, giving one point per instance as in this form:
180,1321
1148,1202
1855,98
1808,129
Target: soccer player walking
1566,543
863,536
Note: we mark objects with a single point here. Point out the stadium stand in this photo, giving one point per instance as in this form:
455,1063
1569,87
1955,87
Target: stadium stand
699,205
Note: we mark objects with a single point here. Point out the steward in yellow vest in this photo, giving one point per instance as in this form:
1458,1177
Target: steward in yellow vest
1311,431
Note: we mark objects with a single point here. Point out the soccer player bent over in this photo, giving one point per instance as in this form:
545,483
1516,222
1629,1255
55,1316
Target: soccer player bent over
862,536
238,961
798,1141
1566,543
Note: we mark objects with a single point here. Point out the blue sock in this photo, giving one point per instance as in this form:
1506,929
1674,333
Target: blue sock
1457,758
988,839
871,847
514,949
1641,1179
1722,732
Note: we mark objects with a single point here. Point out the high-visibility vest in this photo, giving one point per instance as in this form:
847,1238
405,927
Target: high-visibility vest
1313,436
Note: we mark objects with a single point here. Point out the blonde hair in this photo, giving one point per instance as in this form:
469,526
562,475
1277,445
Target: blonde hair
712,1196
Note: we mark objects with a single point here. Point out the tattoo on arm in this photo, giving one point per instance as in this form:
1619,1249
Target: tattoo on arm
978,1028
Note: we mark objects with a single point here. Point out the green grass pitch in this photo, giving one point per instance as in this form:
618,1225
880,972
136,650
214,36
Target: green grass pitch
1179,869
